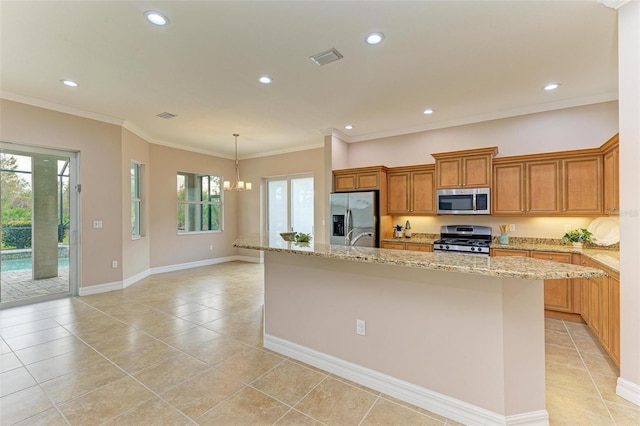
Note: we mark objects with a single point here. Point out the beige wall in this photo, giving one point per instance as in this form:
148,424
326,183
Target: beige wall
166,246
250,203
572,128
100,175
135,252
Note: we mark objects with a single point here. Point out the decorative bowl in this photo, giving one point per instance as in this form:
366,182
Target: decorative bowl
288,236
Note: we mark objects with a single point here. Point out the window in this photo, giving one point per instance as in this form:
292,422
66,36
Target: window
199,203
136,199
289,205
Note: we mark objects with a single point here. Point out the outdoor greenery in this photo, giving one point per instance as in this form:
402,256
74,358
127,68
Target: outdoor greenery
17,204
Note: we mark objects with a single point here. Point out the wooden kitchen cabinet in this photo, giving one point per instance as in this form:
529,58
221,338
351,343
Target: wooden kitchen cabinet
411,191
419,247
582,185
558,294
464,169
526,187
394,245
601,307
611,179
509,252
363,178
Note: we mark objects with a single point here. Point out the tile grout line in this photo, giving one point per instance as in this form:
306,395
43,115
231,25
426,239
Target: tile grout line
593,382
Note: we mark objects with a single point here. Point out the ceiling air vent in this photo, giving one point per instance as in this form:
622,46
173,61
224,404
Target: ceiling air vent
166,115
326,57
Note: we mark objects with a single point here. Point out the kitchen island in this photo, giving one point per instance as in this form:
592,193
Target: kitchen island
459,335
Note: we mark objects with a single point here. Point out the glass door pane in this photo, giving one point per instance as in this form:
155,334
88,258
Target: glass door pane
302,204
277,208
36,216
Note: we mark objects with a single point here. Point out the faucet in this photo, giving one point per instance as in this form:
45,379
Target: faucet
364,234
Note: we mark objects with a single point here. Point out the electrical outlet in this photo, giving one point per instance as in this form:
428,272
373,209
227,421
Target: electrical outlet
360,327
114,264
512,227
97,224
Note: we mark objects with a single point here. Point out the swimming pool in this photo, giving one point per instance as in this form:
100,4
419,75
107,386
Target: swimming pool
22,264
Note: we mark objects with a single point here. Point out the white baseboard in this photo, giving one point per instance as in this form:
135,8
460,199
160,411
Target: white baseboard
100,288
119,285
433,401
628,390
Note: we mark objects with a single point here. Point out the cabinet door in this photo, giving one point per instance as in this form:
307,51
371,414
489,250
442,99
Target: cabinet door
594,304
585,306
508,189
344,182
604,312
476,171
614,318
420,247
422,192
558,294
395,246
543,187
398,186
368,180
449,173
611,181
582,185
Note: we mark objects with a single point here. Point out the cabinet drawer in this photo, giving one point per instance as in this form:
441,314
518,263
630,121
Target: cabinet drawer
507,252
395,246
419,247
555,257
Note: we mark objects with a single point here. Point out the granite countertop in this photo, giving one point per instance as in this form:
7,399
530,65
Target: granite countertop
511,267
607,257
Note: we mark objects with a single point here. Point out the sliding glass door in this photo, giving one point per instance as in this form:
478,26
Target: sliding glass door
38,248
289,205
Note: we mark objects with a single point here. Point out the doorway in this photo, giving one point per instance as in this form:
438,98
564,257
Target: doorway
289,205
38,213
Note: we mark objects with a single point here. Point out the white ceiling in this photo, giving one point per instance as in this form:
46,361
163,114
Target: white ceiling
468,60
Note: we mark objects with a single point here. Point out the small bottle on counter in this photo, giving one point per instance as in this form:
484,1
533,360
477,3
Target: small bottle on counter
407,230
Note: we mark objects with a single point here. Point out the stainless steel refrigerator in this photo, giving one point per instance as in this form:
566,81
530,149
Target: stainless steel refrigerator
354,219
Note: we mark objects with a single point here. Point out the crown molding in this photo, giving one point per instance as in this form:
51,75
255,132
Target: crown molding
282,151
613,4
60,108
532,109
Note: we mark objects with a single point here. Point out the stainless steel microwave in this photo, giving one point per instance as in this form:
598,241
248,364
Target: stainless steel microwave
464,201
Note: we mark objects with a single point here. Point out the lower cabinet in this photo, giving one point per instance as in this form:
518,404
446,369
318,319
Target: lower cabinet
558,294
406,246
601,307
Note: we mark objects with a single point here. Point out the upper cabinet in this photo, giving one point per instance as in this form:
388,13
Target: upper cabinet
411,190
582,185
562,183
363,179
526,187
464,169
611,161
359,179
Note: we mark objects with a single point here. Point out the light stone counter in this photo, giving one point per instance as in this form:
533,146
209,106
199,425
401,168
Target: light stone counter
509,267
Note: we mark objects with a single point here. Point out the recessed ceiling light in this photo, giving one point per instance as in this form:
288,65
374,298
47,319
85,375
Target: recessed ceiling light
265,79
429,111
374,38
348,127
156,18
551,86
69,83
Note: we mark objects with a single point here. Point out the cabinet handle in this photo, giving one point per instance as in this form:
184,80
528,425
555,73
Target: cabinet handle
550,257
522,210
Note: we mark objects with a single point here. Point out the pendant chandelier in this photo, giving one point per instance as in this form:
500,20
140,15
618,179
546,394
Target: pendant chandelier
238,184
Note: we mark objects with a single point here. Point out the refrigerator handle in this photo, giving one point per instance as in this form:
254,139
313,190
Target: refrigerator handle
347,226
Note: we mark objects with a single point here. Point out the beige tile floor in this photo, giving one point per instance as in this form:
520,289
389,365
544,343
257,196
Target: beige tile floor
186,348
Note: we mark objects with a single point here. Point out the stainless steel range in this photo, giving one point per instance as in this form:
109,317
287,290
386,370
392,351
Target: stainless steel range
470,239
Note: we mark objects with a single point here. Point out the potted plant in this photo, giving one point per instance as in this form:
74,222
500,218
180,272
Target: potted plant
578,237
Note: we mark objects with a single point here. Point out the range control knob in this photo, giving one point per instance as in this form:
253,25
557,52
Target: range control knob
447,247
473,249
